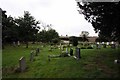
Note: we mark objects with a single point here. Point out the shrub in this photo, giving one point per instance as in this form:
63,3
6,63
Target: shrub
83,47
89,47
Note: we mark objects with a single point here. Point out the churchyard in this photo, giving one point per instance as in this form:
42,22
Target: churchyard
34,62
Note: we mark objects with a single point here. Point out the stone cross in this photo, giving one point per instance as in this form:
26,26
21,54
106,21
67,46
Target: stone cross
22,64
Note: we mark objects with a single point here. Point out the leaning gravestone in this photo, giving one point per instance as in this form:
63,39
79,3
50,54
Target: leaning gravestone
77,53
31,56
22,64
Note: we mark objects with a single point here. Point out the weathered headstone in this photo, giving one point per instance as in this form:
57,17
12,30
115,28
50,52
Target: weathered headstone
22,64
37,51
66,50
14,44
77,53
107,43
104,45
98,45
71,52
18,43
31,56
113,45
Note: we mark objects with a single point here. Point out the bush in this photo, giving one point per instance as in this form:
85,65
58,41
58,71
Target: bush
89,47
83,47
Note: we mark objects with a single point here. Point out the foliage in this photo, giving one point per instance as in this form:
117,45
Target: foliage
86,33
27,26
73,40
104,17
9,28
47,36
23,28
89,47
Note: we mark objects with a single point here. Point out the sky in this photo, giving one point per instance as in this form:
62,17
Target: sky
62,14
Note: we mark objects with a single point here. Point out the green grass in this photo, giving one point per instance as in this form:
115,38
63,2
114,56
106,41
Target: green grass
93,64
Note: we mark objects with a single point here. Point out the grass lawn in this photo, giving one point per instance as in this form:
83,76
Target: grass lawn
93,64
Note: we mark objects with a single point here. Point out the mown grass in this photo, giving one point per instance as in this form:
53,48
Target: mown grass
95,63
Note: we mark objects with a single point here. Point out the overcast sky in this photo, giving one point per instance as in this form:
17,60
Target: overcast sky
62,14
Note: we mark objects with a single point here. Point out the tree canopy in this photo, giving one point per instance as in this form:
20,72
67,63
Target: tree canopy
104,17
47,35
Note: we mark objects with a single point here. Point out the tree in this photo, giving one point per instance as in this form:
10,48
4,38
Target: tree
73,40
47,36
9,29
84,35
104,17
27,27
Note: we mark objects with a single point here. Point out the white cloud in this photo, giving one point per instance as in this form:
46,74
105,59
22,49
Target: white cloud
62,14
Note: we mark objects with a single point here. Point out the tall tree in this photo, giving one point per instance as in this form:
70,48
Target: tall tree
48,35
73,40
9,29
104,17
27,27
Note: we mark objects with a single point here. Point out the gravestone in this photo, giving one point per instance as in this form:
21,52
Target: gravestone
107,43
66,50
14,44
22,64
104,45
31,56
71,52
77,53
37,51
18,43
98,46
113,45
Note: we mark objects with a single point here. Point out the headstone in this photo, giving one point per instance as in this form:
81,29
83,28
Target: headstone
104,45
18,43
71,52
14,44
31,56
77,53
113,45
37,51
107,43
99,46
22,64
66,50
